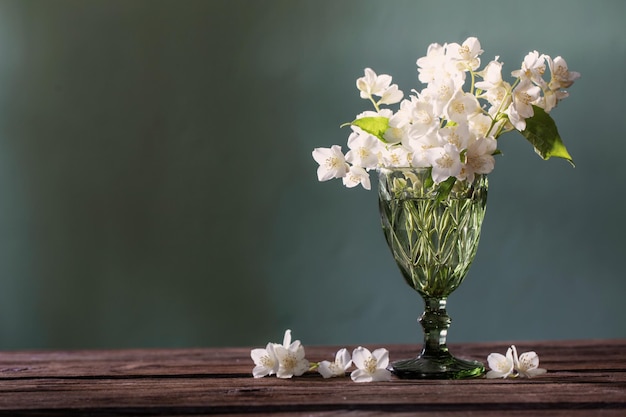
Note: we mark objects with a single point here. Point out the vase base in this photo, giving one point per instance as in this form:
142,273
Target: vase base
441,366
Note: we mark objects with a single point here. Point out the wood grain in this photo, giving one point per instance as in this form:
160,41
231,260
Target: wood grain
584,378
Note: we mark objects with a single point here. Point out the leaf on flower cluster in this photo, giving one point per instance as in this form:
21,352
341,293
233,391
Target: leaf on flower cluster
542,133
444,189
376,125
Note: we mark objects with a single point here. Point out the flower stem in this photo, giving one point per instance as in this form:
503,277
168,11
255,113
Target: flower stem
374,103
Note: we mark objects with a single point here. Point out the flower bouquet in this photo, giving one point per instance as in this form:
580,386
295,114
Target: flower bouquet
443,127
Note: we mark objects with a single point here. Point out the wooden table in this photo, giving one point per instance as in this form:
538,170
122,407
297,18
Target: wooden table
584,378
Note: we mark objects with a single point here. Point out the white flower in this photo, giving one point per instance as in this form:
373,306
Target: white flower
355,176
439,93
479,125
291,361
461,107
479,158
492,76
403,117
423,118
457,135
516,120
446,162
372,366
396,156
332,163
395,134
533,68
378,85
284,360
430,66
466,54
495,89
561,76
290,356
499,97
416,116
501,366
524,95
265,361
364,149
372,84
527,364
338,367
420,146
391,95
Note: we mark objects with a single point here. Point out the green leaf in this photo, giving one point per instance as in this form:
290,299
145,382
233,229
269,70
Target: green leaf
542,133
376,126
444,189
428,182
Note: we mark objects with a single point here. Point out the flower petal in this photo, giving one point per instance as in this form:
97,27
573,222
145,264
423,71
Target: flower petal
528,360
260,371
360,375
501,366
382,357
495,374
534,372
287,338
325,370
495,360
257,354
381,375
343,359
359,356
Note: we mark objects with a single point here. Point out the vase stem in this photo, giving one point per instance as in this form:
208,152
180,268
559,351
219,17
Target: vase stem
435,361
435,321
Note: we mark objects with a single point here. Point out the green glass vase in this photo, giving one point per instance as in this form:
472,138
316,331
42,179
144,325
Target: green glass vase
433,236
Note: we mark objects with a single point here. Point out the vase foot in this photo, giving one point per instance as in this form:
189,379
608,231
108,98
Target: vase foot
440,366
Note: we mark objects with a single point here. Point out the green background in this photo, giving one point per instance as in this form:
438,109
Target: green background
157,186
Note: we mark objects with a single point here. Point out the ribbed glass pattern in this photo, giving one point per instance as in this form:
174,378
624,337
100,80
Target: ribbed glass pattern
434,242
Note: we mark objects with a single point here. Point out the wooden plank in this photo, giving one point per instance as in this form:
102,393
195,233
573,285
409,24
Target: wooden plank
156,396
582,376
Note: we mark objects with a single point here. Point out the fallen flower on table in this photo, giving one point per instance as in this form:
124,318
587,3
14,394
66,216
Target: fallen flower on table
527,364
284,360
372,366
288,359
337,368
501,366
291,360
265,361
510,365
